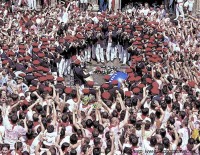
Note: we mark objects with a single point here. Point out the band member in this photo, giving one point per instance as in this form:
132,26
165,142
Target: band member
179,9
88,50
79,74
120,42
99,37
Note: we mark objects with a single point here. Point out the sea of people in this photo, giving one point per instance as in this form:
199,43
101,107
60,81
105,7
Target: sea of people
154,111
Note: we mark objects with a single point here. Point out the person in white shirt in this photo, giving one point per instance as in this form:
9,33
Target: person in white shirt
179,9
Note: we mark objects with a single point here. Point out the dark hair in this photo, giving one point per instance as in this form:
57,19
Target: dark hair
100,129
95,133
166,142
127,150
73,94
162,132
160,148
97,141
18,145
133,139
35,117
64,146
73,139
50,128
145,111
153,141
96,151
14,118
89,123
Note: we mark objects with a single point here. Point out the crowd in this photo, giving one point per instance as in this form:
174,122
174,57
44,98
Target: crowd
154,111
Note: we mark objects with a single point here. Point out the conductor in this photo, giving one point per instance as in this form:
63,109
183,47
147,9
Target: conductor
79,75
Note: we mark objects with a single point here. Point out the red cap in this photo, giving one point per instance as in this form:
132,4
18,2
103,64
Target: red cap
4,62
41,55
155,91
29,70
68,90
155,84
49,89
131,79
129,70
42,79
86,91
148,80
22,74
105,86
106,77
37,74
191,83
36,50
106,95
36,62
32,88
49,77
136,90
90,83
141,85
114,82
128,93
60,79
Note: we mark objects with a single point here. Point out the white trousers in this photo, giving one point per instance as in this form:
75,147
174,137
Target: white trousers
179,11
124,56
64,67
99,53
32,4
111,52
93,52
120,51
109,5
88,52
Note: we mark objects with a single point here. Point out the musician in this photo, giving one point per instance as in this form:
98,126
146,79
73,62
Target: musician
120,42
79,75
126,43
88,49
99,39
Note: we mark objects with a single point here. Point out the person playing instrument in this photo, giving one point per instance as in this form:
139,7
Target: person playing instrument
79,75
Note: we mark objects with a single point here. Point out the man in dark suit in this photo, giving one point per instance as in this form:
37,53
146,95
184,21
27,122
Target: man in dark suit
79,75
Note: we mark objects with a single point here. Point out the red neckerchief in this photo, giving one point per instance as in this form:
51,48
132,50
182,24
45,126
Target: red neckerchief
35,124
30,141
143,116
90,130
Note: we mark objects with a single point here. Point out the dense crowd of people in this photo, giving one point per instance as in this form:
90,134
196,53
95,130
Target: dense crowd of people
154,111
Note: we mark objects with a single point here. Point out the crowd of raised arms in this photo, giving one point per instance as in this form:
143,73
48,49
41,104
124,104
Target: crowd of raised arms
155,111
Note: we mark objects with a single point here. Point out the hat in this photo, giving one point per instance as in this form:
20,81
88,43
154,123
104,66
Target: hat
4,62
128,93
36,50
68,90
41,55
148,80
106,77
131,79
105,86
49,89
155,91
42,79
49,77
114,82
136,90
106,95
90,83
60,79
141,85
36,62
32,88
129,70
86,91
155,84
191,83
